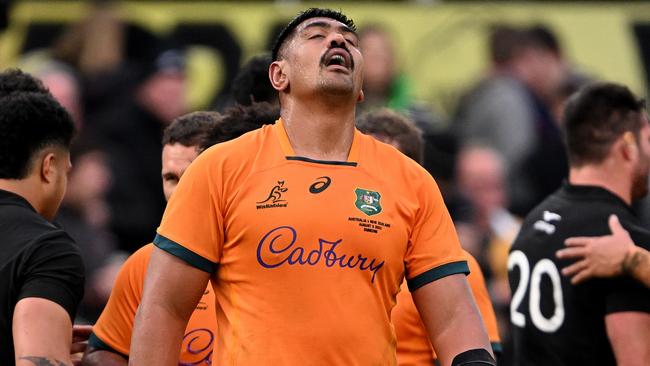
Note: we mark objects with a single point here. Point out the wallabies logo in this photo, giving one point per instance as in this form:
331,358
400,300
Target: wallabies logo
275,196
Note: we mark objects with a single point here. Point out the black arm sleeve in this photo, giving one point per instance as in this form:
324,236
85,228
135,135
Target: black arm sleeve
52,269
474,357
626,294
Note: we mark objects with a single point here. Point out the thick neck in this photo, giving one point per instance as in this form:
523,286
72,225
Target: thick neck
606,175
319,129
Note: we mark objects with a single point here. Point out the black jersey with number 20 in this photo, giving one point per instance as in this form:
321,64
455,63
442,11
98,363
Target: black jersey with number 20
553,321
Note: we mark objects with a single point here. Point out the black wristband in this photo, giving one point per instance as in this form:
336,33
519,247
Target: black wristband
474,357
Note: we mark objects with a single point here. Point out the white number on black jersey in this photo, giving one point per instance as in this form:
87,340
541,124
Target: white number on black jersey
543,267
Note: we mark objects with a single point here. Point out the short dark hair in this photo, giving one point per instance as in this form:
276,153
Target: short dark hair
252,84
595,117
287,32
542,37
14,81
385,122
504,42
240,119
190,129
29,122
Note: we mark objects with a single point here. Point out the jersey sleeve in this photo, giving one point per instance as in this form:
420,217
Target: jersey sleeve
433,250
192,226
480,292
626,294
53,270
113,329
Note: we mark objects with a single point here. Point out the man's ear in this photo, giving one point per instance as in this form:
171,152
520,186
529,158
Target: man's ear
278,76
630,148
361,97
47,167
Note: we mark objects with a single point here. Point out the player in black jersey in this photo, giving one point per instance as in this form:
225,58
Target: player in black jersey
600,321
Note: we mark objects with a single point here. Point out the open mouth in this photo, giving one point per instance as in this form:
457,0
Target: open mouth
338,57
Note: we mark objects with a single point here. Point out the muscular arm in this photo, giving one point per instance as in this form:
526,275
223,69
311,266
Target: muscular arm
172,289
42,332
451,317
99,357
606,256
628,333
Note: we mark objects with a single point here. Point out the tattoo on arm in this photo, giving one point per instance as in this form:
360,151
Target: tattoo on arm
43,361
631,262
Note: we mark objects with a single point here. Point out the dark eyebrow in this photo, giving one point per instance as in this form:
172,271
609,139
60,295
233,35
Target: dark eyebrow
321,24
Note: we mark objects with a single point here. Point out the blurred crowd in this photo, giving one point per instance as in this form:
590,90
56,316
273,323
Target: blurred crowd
494,159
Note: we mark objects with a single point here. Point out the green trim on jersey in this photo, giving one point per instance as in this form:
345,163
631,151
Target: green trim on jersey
97,343
437,273
185,254
496,347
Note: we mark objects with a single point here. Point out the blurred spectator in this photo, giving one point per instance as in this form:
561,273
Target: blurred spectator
511,110
95,44
481,179
84,214
133,85
130,129
61,80
383,84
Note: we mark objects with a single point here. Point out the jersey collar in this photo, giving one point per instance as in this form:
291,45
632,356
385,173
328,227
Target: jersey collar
593,192
289,153
10,198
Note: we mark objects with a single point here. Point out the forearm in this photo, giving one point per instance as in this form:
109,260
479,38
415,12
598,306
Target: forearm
465,332
157,337
637,265
96,357
454,325
628,334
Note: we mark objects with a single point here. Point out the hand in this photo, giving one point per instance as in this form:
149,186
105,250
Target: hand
601,256
80,334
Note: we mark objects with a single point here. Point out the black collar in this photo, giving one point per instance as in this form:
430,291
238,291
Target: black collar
11,199
594,193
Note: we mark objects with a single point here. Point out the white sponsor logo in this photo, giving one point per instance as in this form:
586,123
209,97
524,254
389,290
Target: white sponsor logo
545,225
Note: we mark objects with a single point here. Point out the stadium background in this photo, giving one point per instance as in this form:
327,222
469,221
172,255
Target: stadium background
440,46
